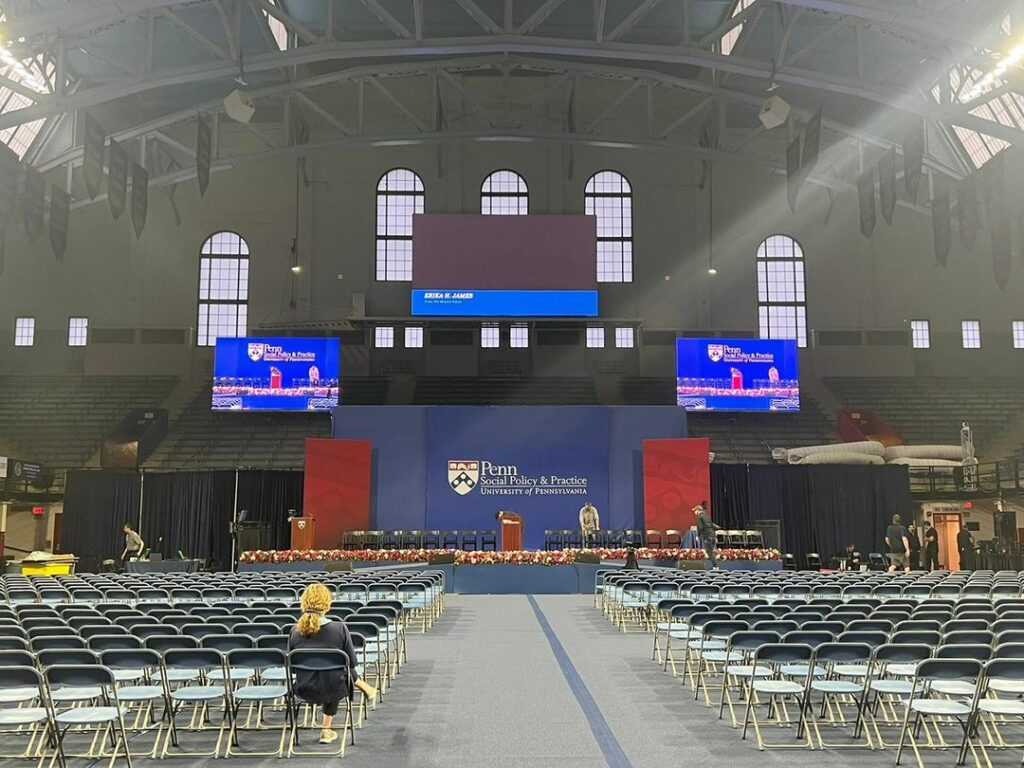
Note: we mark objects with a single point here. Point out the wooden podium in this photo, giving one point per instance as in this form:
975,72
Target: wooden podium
511,531
303,530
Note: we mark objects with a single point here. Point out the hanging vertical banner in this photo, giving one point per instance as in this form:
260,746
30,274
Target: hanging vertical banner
866,199
942,229
887,183
812,145
117,179
204,152
60,214
913,159
707,139
10,169
793,172
998,219
93,139
967,213
140,197
34,202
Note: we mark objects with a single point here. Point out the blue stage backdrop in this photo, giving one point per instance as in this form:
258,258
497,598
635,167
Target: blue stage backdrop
542,462
455,467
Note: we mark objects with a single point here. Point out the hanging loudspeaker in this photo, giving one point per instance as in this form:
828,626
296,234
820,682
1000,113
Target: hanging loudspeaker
239,106
774,112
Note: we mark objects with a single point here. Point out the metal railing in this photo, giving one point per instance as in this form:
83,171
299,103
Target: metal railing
987,479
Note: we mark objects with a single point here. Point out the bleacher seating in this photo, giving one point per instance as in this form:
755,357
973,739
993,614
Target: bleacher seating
471,390
61,420
930,410
199,437
737,437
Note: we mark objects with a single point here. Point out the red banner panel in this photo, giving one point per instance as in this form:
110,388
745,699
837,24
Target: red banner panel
336,492
677,477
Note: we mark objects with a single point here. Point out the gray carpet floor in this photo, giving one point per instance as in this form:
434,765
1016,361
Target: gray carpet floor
513,681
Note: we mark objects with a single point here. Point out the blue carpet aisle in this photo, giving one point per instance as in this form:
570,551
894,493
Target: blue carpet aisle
512,681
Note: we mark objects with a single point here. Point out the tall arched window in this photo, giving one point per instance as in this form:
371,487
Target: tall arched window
399,195
504,193
609,197
223,288
781,300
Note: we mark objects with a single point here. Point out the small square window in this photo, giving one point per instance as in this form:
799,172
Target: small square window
595,337
920,334
490,336
1018,334
24,331
78,331
413,337
624,338
383,337
970,331
519,336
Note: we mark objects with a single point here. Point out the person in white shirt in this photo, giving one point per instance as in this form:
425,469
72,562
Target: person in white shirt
590,523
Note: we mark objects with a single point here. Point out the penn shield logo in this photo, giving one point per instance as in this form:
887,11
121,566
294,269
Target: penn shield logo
716,352
463,475
256,350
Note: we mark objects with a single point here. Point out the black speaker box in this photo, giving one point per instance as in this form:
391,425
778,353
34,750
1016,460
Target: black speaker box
440,558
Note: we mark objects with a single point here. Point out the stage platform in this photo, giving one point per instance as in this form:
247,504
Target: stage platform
492,579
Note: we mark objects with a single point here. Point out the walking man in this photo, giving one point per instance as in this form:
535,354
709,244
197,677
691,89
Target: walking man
706,531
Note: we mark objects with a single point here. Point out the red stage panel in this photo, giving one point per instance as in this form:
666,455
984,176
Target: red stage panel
336,492
677,477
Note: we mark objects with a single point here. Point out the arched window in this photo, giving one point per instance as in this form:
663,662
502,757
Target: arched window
609,197
781,300
504,193
399,196
223,288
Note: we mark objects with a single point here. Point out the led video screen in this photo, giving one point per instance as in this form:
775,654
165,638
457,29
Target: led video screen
737,375
275,374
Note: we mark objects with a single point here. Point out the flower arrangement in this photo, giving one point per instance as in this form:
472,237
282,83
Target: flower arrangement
518,557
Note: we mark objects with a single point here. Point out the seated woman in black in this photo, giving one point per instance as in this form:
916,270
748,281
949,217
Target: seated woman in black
315,630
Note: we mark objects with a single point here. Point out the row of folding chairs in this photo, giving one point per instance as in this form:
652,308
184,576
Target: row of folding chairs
826,685
105,705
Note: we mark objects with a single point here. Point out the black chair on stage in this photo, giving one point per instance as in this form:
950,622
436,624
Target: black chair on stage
353,539
450,540
813,561
470,541
489,540
373,539
431,540
610,537
551,540
412,540
392,540
571,539
655,539
673,539
632,538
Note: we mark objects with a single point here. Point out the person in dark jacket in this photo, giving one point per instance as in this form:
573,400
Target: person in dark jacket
315,630
931,549
965,544
706,531
915,546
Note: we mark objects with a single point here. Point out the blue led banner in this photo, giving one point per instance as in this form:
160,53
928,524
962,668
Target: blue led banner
504,303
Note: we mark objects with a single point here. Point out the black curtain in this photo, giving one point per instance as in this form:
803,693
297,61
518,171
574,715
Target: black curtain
821,508
190,512
730,495
96,507
268,495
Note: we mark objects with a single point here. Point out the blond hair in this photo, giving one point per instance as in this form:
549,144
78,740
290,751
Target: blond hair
315,602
